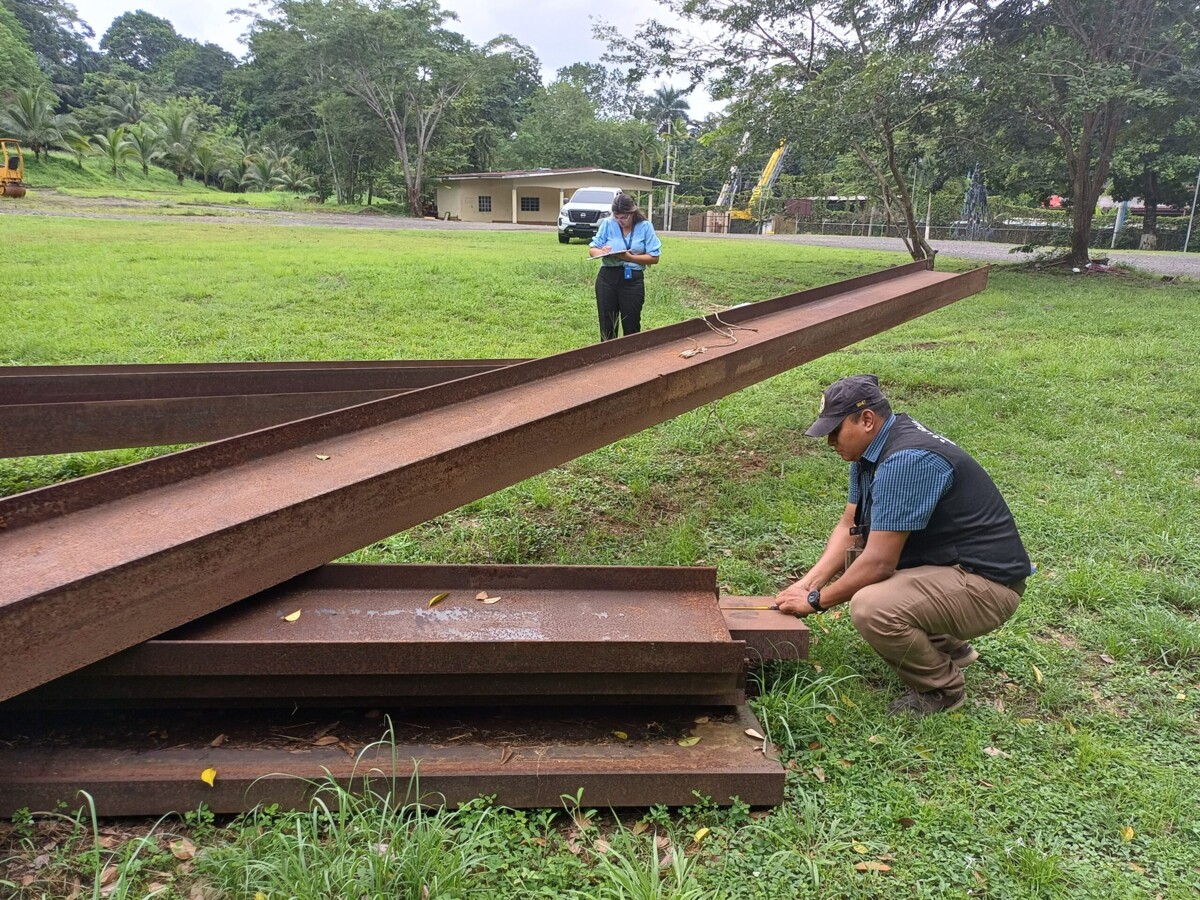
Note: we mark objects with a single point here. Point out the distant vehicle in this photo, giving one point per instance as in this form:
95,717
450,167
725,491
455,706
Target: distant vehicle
582,214
12,168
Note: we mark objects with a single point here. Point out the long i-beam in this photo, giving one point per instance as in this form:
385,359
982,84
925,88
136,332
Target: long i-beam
96,565
68,409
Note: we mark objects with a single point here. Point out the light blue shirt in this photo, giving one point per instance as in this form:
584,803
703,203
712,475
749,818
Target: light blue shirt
641,240
907,485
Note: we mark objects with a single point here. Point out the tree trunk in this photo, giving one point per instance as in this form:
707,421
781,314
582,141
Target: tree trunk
1150,211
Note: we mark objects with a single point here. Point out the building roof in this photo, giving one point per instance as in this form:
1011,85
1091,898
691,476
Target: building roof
542,173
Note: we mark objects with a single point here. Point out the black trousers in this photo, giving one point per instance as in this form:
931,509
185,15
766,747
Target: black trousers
619,300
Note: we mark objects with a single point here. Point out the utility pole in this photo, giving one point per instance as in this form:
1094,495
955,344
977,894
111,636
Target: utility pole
1192,216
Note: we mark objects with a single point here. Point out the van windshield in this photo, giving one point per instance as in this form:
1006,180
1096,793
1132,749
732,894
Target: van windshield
605,197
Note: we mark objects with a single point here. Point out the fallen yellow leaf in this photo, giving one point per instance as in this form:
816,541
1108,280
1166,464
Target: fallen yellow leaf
750,732
861,848
491,600
688,741
322,456
259,895
183,849
620,735
209,776
438,598
1037,675
820,773
1026,721
1181,696
1070,728
640,827
872,866
326,741
1127,834
699,835
292,617
482,595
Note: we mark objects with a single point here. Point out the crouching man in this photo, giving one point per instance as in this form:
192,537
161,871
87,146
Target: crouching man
926,548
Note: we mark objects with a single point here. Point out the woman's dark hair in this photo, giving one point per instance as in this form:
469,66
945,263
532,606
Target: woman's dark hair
624,204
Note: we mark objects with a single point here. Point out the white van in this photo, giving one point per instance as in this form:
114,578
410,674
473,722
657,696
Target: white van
583,212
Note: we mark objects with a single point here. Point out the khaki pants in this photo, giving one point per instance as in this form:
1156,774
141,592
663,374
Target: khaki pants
919,616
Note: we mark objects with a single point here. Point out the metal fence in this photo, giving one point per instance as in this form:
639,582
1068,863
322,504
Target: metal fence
1171,234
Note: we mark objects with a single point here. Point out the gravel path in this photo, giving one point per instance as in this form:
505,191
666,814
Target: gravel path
49,203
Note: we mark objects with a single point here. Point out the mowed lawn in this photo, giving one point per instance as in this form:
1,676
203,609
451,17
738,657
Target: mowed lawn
1073,769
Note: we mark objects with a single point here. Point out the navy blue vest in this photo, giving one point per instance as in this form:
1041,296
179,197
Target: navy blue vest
971,525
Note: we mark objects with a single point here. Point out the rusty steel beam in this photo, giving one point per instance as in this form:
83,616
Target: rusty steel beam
524,761
557,634
767,633
131,553
68,409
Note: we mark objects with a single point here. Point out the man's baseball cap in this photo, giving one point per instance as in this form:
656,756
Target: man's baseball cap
849,395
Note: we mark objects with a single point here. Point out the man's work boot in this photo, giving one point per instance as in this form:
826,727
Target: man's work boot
918,704
964,656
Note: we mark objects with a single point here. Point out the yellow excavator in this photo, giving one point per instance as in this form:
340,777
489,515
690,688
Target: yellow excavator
12,168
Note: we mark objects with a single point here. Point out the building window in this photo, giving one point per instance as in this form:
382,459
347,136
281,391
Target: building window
485,204
531,204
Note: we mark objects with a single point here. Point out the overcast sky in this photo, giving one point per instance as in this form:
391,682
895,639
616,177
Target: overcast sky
559,31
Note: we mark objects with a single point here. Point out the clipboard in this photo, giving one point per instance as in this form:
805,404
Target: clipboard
610,253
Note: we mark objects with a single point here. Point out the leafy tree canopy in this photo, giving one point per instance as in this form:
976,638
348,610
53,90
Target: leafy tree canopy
18,67
140,40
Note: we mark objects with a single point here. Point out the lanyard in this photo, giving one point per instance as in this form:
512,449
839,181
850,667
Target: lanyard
628,240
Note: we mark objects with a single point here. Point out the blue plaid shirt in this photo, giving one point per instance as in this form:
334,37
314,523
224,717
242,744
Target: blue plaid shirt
907,486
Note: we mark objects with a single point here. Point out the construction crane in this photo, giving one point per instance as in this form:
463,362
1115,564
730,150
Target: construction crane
730,188
766,180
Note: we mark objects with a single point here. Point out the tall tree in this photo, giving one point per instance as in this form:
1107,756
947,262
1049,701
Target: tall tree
1079,70
613,99
140,39
18,67
196,69
867,74
395,58
666,105
58,39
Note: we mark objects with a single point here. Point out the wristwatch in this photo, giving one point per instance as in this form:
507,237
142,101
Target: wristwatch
814,600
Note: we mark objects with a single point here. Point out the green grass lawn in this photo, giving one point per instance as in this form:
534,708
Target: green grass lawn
1071,772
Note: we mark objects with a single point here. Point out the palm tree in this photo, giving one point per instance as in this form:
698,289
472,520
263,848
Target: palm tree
206,160
31,119
233,173
180,133
146,144
293,181
115,147
127,106
645,145
665,106
78,145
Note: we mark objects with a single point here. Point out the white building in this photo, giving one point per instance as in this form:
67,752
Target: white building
534,197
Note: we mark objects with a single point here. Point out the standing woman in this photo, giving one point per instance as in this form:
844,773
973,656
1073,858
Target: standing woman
620,284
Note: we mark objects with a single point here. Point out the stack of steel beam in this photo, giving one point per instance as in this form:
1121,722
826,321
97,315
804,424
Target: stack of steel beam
118,587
